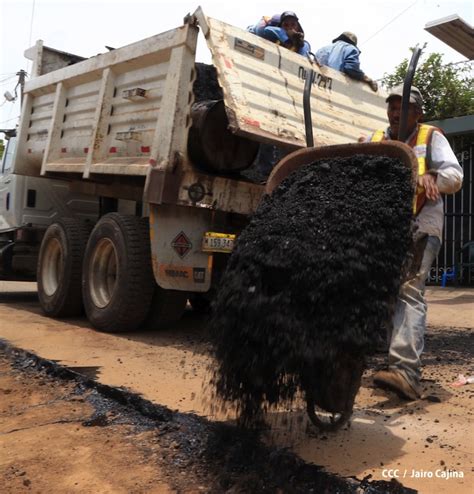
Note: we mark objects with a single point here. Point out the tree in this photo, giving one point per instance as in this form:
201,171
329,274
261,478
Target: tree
2,147
448,89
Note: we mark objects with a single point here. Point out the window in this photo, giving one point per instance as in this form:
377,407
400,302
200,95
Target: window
8,155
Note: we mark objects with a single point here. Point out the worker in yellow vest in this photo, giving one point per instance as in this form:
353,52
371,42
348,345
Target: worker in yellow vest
439,173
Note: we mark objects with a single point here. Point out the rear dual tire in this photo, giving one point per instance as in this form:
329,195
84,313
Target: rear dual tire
118,282
59,270
108,273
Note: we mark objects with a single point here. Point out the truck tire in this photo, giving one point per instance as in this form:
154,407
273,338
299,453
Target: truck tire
167,307
117,281
59,268
212,147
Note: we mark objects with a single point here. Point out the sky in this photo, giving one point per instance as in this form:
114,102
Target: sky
386,29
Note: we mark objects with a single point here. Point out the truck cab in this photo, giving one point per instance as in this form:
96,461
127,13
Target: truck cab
7,183
28,205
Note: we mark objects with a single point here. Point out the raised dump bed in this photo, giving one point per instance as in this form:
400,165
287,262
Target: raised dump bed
119,112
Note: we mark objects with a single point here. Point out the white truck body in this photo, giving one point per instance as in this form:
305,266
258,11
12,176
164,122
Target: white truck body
116,125
38,201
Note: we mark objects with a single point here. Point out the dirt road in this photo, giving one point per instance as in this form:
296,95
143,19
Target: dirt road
427,445
45,448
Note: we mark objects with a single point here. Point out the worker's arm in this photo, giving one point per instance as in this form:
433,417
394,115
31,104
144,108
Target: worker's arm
322,55
444,166
275,34
352,67
305,49
259,28
293,39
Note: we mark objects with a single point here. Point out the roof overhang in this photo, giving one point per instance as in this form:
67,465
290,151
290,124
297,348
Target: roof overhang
455,32
456,125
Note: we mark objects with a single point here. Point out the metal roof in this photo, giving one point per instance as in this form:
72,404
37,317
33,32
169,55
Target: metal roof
455,32
455,125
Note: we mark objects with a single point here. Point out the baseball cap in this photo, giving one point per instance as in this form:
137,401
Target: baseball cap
415,95
348,37
288,13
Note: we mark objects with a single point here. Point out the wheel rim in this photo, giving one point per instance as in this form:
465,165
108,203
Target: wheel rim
326,421
52,267
103,273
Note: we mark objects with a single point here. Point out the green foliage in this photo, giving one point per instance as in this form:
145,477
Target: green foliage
448,90
2,147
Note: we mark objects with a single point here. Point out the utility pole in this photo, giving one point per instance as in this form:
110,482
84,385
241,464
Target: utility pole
21,82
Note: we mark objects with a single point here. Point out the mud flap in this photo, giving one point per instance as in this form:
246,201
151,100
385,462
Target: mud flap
176,234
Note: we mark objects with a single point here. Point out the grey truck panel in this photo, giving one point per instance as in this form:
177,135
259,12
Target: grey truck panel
109,114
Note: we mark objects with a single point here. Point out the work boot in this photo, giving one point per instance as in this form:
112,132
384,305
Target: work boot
396,382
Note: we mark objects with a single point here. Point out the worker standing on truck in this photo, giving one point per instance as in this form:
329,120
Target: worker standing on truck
343,55
439,173
284,30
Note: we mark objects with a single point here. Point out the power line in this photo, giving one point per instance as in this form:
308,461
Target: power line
390,22
31,30
7,79
9,120
31,22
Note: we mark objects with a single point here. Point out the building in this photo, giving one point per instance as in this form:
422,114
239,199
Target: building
459,219
457,251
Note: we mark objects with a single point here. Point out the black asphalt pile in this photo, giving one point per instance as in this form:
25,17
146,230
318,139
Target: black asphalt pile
205,86
310,283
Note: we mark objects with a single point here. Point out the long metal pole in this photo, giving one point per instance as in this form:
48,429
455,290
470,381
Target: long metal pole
402,131
308,121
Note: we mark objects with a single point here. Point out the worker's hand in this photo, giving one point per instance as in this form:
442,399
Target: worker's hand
428,182
297,38
292,33
373,85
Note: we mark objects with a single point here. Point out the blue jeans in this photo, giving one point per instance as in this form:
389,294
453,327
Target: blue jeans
409,320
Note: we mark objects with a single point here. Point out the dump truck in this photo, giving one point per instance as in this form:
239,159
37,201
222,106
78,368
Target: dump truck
160,174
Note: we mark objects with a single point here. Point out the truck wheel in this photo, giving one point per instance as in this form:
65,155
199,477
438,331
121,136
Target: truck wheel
117,278
167,307
59,269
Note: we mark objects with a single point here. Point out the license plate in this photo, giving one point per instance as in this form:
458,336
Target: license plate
218,242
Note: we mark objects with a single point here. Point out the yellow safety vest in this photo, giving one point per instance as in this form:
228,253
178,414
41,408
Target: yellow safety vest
420,144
